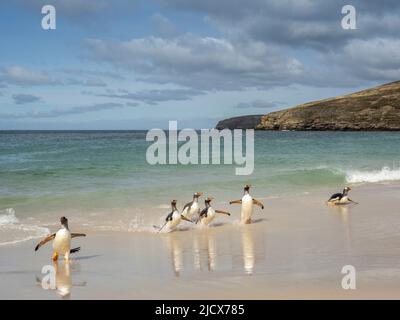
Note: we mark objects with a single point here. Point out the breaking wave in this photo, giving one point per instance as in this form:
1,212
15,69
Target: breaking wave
12,231
385,174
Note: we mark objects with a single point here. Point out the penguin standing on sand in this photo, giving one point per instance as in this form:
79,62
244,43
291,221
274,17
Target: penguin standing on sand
341,198
247,202
61,241
208,213
173,218
192,209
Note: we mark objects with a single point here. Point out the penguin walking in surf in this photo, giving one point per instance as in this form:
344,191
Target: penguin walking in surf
247,203
61,241
173,218
208,213
192,209
341,198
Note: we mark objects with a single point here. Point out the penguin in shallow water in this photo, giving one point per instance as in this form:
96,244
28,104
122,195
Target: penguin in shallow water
173,218
247,203
341,198
192,209
61,241
208,213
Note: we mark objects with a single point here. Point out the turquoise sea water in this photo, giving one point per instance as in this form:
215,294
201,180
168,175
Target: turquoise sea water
102,177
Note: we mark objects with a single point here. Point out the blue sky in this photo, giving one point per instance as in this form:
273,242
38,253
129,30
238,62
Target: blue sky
137,64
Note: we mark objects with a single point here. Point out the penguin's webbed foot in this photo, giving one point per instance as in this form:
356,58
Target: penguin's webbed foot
55,256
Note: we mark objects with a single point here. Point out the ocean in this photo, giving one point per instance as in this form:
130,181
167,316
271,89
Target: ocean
100,180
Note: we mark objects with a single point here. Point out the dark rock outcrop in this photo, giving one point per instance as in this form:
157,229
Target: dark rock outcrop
372,109
244,122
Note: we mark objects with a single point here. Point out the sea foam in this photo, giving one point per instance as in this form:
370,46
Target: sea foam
385,174
12,231
7,216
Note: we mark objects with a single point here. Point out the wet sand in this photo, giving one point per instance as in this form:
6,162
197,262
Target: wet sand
295,250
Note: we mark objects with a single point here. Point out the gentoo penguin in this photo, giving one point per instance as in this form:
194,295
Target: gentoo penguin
208,213
192,208
247,202
61,241
341,198
173,218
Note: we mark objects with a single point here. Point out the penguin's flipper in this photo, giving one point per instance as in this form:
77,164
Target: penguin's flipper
44,241
74,235
74,250
187,206
255,201
223,212
352,201
236,201
203,212
169,216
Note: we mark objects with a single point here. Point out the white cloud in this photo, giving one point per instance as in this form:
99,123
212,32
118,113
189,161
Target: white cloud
20,75
59,112
373,59
153,97
199,62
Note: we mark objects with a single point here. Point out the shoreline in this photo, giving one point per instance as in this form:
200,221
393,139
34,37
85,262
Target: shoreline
142,219
294,250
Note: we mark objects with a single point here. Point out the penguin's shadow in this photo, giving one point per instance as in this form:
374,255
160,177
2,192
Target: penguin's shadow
221,224
259,220
218,224
182,229
88,257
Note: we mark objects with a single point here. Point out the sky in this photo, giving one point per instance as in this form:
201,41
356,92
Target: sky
138,64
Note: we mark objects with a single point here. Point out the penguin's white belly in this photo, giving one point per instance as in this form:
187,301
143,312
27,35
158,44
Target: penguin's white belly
210,217
62,242
194,210
344,199
173,223
247,208
176,219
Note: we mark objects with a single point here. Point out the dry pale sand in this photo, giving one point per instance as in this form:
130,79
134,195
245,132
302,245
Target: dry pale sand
295,250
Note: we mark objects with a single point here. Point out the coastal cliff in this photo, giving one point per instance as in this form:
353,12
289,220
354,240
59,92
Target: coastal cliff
372,109
243,122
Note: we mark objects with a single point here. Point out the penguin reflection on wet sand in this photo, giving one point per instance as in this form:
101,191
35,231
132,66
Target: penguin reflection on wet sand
61,241
62,280
192,209
208,213
247,203
173,218
341,198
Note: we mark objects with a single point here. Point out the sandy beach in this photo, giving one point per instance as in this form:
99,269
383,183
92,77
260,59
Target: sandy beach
295,249
123,120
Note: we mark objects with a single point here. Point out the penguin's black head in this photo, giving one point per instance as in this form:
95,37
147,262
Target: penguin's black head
347,189
64,221
247,187
173,202
197,194
208,200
